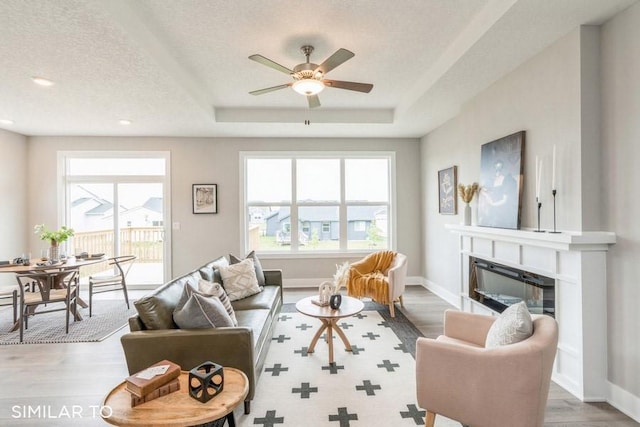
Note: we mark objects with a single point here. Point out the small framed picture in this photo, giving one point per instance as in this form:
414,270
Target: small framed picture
447,184
205,198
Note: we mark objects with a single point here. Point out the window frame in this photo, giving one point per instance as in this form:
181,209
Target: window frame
295,251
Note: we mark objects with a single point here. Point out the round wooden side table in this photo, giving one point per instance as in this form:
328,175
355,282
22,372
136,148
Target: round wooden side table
178,408
329,318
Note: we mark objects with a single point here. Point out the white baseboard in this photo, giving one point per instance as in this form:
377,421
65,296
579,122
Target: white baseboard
624,401
444,293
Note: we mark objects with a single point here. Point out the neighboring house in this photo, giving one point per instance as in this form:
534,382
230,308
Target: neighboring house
147,215
88,210
322,221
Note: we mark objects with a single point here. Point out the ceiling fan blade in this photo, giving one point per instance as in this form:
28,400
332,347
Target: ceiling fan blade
269,89
358,87
313,100
271,64
341,55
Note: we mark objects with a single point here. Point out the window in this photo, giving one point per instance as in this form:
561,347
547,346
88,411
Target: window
317,202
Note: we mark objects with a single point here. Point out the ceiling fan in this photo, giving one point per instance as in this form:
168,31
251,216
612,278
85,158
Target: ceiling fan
309,78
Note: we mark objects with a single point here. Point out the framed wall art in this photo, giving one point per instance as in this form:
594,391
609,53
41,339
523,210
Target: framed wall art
500,197
447,183
205,198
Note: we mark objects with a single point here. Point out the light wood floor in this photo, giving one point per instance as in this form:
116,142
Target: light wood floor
65,379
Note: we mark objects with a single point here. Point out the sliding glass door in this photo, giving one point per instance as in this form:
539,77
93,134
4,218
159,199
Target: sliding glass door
117,207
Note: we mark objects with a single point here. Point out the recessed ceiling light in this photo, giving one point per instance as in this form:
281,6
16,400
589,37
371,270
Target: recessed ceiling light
6,121
42,81
124,122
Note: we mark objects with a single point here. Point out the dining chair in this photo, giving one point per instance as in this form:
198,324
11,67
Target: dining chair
112,282
9,296
57,286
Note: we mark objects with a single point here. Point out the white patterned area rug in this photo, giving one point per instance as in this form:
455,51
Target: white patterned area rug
373,385
108,317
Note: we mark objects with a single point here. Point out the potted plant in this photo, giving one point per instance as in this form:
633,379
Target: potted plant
54,237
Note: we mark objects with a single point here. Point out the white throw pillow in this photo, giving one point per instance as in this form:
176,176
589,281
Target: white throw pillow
239,280
512,326
216,290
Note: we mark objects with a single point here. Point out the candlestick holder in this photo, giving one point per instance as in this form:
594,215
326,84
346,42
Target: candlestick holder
554,213
539,207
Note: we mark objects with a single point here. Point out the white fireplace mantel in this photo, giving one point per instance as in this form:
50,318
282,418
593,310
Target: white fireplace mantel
577,263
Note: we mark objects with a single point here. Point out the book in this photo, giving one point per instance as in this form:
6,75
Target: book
147,380
163,390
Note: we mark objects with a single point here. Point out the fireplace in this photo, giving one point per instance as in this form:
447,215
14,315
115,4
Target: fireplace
498,286
576,261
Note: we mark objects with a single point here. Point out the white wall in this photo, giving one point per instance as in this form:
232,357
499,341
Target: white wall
14,189
216,160
541,97
621,154
582,87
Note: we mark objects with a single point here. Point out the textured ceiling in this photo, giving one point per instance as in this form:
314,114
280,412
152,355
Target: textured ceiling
181,68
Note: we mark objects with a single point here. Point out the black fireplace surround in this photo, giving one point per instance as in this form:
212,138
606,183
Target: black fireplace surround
498,286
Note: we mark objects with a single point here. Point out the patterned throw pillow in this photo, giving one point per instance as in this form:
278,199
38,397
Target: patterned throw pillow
200,312
512,326
216,290
256,263
239,280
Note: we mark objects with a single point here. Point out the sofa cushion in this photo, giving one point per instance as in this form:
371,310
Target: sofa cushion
216,290
209,271
199,312
256,264
258,320
512,326
263,300
156,309
239,280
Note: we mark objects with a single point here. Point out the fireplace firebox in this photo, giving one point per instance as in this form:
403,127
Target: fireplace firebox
498,286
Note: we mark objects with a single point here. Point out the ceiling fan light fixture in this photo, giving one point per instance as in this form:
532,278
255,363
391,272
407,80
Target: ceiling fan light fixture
308,87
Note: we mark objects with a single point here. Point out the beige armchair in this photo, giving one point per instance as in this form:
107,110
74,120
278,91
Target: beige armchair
505,386
372,282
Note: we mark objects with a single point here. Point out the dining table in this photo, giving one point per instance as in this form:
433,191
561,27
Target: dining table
38,265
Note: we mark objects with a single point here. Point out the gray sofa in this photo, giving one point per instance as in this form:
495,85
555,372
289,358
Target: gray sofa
154,336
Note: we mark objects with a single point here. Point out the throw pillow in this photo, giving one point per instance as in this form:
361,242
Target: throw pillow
256,263
200,312
239,280
512,326
216,290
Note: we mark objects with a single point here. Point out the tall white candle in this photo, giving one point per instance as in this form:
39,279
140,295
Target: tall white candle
553,173
537,180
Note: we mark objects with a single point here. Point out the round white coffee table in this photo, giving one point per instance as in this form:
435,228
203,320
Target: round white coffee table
329,318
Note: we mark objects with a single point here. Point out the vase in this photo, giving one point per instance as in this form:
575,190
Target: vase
54,252
335,301
466,215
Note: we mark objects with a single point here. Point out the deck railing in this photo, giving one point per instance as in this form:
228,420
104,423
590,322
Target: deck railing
146,243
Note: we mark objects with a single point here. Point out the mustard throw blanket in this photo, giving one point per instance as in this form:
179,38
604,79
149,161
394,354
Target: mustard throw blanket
366,277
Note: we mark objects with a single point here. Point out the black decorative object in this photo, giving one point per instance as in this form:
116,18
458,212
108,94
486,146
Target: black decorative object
206,381
335,301
539,207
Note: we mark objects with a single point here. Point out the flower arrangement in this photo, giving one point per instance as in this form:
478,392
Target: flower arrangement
54,237
466,192
341,277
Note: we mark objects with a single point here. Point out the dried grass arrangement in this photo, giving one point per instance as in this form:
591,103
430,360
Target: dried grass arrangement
466,192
